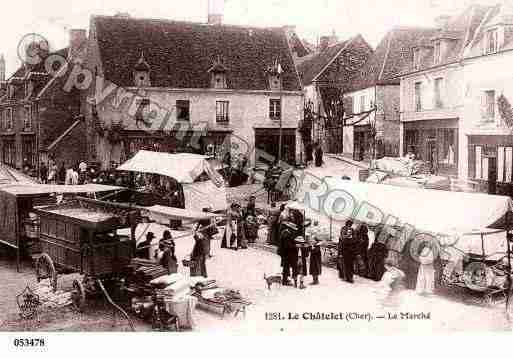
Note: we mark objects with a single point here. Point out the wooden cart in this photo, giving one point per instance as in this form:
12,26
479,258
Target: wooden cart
81,237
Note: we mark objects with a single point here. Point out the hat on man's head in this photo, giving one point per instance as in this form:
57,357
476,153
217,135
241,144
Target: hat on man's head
150,235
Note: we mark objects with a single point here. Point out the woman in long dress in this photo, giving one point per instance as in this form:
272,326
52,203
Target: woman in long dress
426,276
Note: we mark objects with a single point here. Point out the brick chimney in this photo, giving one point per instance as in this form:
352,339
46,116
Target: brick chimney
215,12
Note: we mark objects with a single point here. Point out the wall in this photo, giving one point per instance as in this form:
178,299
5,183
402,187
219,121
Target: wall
492,72
452,95
246,110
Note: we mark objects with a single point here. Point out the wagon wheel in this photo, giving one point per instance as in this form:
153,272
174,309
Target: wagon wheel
79,295
45,269
291,187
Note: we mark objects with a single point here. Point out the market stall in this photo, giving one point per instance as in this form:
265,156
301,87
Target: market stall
200,184
18,200
474,225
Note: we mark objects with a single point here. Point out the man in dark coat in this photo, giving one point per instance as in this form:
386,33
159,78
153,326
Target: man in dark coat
363,244
43,172
286,241
348,246
318,155
309,153
315,262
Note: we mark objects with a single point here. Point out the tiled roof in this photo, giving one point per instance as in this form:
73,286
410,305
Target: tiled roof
492,15
311,66
181,53
393,53
459,32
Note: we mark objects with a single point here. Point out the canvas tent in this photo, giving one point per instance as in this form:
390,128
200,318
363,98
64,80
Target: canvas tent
183,167
438,212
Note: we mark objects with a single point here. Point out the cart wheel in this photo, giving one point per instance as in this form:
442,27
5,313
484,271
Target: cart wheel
45,269
79,295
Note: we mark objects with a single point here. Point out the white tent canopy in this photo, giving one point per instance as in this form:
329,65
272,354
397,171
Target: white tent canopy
183,167
426,210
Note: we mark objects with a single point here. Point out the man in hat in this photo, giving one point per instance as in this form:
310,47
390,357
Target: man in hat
143,248
285,250
167,247
347,247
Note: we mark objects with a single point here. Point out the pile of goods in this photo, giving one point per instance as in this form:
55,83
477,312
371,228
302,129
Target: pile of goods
145,270
219,300
160,297
50,299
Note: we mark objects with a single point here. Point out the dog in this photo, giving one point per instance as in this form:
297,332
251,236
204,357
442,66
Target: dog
272,279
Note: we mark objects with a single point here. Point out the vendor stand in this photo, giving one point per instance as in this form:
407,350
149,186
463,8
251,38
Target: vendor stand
453,218
18,200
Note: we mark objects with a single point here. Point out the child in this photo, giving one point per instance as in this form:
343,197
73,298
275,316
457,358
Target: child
426,276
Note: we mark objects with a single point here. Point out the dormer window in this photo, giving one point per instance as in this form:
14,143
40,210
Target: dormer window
437,53
492,41
218,75
142,73
274,76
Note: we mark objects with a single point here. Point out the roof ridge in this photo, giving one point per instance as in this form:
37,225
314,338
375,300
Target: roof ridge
346,44
185,22
385,58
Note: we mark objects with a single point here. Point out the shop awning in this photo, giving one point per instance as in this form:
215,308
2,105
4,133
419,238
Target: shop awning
205,194
163,214
26,190
183,167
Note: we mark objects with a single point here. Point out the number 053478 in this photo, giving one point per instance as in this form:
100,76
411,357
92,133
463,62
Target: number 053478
29,342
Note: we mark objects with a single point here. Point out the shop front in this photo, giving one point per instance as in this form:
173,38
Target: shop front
435,142
490,163
268,140
362,143
213,143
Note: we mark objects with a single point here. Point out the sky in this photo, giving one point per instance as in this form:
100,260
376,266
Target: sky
313,18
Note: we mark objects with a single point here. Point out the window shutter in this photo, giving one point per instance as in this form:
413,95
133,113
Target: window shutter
483,104
508,164
500,164
478,162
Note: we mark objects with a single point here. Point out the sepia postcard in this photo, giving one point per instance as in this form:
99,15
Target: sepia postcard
252,167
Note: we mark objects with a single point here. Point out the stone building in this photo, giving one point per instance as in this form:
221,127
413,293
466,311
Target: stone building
326,75
377,86
36,111
182,86
452,96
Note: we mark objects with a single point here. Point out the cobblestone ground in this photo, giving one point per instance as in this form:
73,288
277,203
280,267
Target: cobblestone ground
244,270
